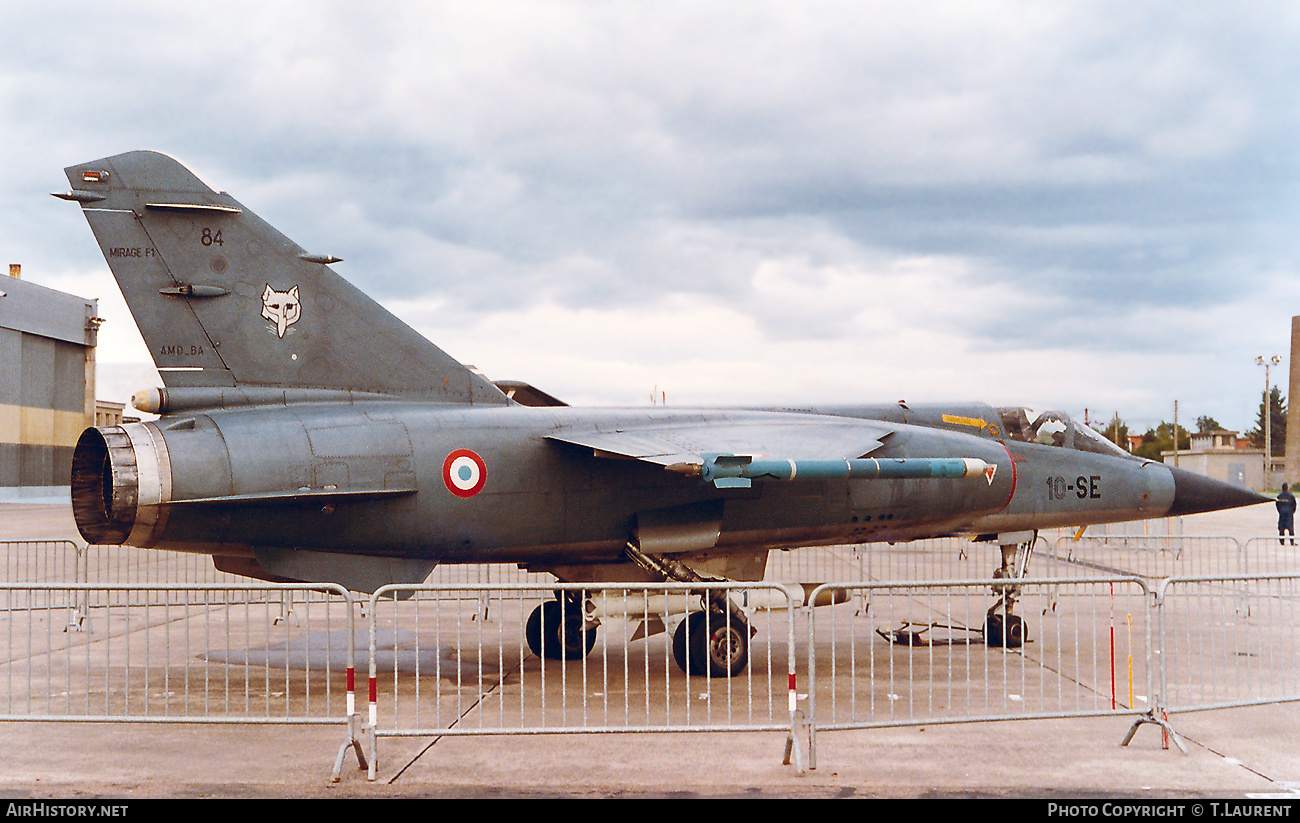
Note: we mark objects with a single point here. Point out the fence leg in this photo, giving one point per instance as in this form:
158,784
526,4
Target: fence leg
287,614
79,616
796,743
360,737
1152,717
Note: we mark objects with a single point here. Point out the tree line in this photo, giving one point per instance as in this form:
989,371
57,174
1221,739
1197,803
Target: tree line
1160,438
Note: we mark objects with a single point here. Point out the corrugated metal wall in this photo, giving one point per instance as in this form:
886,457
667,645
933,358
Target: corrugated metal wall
46,381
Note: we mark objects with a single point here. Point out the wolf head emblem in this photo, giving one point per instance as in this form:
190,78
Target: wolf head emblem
281,308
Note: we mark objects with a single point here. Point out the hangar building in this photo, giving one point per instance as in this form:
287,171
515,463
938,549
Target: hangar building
47,384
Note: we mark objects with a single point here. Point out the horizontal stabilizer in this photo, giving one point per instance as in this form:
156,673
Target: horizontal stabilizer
526,394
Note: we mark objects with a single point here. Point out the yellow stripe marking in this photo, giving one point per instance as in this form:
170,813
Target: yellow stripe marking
31,426
976,422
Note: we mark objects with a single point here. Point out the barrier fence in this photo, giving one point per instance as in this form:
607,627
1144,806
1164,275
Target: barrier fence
42,561
228,654
1229,641
437,667
1147,555
1161,557
1125,626
924,655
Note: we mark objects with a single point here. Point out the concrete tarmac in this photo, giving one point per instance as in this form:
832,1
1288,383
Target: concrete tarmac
1236,753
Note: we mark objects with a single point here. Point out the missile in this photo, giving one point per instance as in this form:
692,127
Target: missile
732,471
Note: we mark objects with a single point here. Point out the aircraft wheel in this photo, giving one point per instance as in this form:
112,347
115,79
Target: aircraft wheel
687,658
721,643
1004,631
554,635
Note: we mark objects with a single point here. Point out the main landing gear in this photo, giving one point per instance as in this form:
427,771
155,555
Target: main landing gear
558,629
712,642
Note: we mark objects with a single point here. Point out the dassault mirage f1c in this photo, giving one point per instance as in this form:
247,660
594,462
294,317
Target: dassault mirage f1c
306,434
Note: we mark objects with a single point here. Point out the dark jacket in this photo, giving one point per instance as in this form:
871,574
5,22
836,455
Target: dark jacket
1285,507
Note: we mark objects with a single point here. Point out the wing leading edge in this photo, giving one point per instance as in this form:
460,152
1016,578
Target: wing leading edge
732,451
665,442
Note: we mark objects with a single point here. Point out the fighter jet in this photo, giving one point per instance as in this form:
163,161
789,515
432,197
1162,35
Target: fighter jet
306,434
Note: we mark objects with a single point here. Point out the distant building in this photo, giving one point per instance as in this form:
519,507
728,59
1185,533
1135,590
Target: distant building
108,413
1221,439
1224,455
47,383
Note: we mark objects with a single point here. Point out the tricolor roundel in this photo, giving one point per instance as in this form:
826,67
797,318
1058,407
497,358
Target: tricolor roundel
464,472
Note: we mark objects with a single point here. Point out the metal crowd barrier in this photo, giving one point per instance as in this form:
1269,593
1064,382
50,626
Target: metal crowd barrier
939,558
40,561
1128,625
919,655
1146,556
127,565
438,668
1229,641
125,571
1269,555
1119,552
243,656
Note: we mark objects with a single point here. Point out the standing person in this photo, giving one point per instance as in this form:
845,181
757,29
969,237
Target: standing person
1285,515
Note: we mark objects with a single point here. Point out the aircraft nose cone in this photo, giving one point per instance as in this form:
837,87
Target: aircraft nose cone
1195,493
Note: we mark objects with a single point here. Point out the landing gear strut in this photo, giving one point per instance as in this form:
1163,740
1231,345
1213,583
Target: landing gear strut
713,642
1002,628
557,629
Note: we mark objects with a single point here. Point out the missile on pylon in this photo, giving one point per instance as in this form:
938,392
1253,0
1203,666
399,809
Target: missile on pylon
737,471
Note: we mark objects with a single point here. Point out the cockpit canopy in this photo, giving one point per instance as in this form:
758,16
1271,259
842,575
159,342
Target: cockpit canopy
1054,428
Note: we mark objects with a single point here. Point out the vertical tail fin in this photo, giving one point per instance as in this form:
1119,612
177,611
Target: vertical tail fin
223,299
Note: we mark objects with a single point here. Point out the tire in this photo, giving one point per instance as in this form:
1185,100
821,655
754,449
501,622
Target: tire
544,628
533,632
688,660
1004,631
721,644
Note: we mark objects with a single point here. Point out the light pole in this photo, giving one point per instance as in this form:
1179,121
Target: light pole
1268,414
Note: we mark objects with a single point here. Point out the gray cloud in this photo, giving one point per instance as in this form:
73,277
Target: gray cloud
956,197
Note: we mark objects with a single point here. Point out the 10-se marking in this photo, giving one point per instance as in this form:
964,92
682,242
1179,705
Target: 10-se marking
1084,488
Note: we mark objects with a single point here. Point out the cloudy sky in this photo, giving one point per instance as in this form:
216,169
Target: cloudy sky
1085,205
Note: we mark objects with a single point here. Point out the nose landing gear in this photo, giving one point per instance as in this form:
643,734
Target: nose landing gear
1002,628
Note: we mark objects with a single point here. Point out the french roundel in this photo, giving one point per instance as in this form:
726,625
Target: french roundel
464,472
